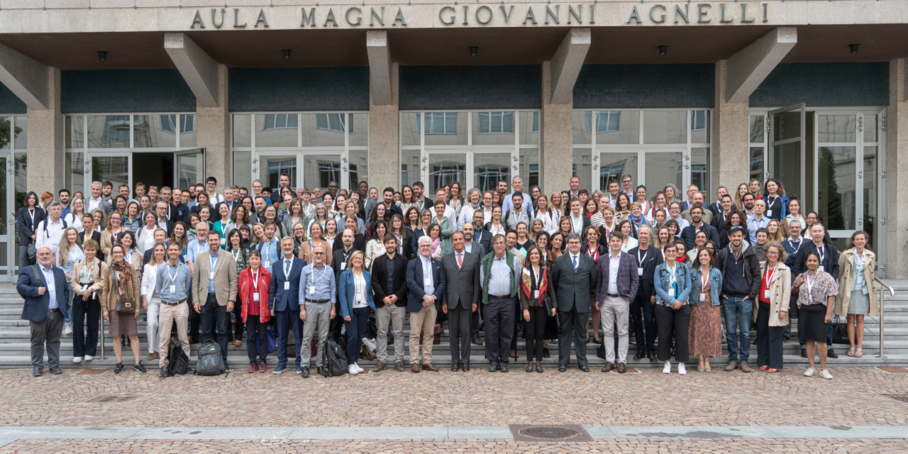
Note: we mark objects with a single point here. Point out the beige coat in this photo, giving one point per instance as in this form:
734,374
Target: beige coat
109,298
225,278
107,241
96,270
779,294
846,279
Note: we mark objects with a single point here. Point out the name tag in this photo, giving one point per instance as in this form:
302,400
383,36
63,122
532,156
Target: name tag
702,297
173,288
359,298
671,293
286,285
223,241
766,294
266,264
343,265
312,290
822,268
536,294
426,281
768,212
640,271
255,297
211,275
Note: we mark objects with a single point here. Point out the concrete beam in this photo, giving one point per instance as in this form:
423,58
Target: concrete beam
26,78
198,69
749,66
566,63
379,67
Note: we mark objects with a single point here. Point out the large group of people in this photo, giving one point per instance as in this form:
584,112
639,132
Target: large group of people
221,266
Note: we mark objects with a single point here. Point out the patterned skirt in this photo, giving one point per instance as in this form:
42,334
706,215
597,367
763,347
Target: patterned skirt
705,336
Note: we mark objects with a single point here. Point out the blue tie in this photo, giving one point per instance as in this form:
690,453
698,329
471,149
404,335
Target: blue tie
287,267
575,264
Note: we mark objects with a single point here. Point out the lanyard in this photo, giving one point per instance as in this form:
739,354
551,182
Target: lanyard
593,251
255,280
822,252
312,276
172,276
809,287
769,274
640,260
704,281
771,201
798,247
212,262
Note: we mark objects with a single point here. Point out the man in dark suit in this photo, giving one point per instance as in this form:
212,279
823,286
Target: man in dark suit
480,235
483,238
158,238
285,304
176,211
47,295
575,278
389,281
716,207
618,282
163,223
390,206
470,244
339,263
648,258
461,299
426,283
27,219
720,215
829,262
500,277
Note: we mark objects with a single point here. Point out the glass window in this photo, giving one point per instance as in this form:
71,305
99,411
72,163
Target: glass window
756,163
489,169
529,166
613,167
271,168
870,194
869,128
614,126
445,169
108,131
786,166
786,125
359,167
113,168
663,168
321,170
409,128
582,167
447,128
189,169
242,131
756,129
493,128
359,136
836,187
699,170
154,131
836,128
21,176
276,130
322,130
242,162
529,128
187,131
74,137
330,122
582,128
5,125
409,167
699,126
19,132
664,127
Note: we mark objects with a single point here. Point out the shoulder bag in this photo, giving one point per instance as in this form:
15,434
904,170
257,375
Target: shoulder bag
125,304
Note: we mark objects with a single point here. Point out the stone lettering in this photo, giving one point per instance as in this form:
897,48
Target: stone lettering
661,16
197,20
308,18
465,8
682,14
578,15
635,16
399,17
554,16
765,20
530,16
359,17
261,19
330,18
507,13
722,15
479,20
214,16
450,19
236,19
592,14
744,15
381,18
702,13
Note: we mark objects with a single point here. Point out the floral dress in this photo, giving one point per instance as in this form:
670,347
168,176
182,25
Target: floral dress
705,336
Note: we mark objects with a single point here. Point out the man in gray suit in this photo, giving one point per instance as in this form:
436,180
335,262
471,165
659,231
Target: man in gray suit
574,275
368,202
460,299
470,244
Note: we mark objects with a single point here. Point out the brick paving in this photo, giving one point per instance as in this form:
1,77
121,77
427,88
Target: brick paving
709,446
476,398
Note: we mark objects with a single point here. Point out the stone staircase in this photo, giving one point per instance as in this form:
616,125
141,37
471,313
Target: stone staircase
14,343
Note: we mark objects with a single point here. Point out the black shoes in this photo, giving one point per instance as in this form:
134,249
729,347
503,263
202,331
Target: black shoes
545,353
321,371
585,368
503,368
139,368
561,368
476,341
830,353
530,367
305,372
164,373
37,372
651,357
56,370
119,368
639,355
803,353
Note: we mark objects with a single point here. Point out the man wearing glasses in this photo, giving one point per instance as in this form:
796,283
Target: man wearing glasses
316,296
332,189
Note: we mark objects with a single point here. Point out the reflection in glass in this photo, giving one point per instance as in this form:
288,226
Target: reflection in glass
112,168
447,128
20,176
321,170
5,143
242,131
756,129
108,131
359,167
322,130
583,167
614,126
21,138
271,168
190,169
662,169
870,128
359,136
73,132
492,128
4,211
489,169
529,166
154,131
699,170
786,125
756,163
277,130
242,162
529,128
187,131
870,193
582,128
699,126
73,173
446,169
409,167
836,128
664,126
409,128
786,166
613,167
836,187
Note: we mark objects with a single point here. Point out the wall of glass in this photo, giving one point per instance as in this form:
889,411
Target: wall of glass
655,147
13,186
475,148
312,148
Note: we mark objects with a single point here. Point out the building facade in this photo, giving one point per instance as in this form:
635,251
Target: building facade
167,92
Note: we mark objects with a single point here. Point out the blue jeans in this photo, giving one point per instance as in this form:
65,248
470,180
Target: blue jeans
738,314
356,328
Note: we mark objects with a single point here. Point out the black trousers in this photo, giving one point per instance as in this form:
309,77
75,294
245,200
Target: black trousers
572,322
460,321
642,316
214,323
255,327
671,322
235,328
769,340
82,344
499,329
476,322
535,331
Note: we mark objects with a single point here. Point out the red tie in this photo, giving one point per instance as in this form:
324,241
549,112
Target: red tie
459,261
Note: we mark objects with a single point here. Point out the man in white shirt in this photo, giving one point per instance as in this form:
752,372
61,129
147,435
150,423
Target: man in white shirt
628,183
211,185
613,191
95,201
49,232
613,300
748,201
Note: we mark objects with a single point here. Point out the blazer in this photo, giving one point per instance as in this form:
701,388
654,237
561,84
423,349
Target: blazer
663,284
245,282
282,300
846,282
25,226
346,291
627,276
107,241
380,279
830,262
306,251
462,286
779,294
484,238
574,289
715,285
341,263
526,301
149,280
225,279
96,267
586,223
648,260
478,249
36,306
415,280
359,242
689,235
109,297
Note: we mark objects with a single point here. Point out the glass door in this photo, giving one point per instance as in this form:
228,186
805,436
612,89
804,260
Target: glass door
8,247
272,165
445,167
189,168
786,159
113,167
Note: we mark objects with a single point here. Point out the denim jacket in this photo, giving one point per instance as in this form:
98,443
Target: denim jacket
663,284
715,285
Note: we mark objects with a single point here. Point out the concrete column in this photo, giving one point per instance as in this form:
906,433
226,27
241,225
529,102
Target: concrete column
566,63
556,136
748,67
379,67
897,170
198,69
45,138
731,153
384,132
213,129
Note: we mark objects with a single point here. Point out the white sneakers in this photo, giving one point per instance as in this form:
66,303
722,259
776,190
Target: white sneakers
359,369
87,357
681,369
825,374
67,330
352,370
668,368
77,359
810,372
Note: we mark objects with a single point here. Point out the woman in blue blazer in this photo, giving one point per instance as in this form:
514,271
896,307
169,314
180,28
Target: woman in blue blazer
672,311
355,300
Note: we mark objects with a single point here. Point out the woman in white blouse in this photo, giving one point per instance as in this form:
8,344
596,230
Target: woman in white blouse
151,300
375,248
548,215
146,234
74,217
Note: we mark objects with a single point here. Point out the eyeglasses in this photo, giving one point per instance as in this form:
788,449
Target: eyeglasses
425,245
318,253
772,253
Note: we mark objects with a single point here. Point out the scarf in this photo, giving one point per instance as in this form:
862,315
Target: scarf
435,243
124,272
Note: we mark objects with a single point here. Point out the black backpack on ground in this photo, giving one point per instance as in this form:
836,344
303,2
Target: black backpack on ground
179,362
335,359
210,360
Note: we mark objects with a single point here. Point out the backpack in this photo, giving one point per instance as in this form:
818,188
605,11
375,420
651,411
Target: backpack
335,359
179,362
210,360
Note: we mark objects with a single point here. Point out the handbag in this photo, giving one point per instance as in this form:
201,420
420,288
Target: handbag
125,305
839,331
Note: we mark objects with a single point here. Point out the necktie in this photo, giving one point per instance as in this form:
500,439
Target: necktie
459,261
286,267
575,263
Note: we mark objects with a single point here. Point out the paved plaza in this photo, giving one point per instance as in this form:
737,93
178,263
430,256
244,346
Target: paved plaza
644,411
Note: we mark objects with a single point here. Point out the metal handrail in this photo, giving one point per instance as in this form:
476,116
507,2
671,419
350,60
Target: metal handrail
882,311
